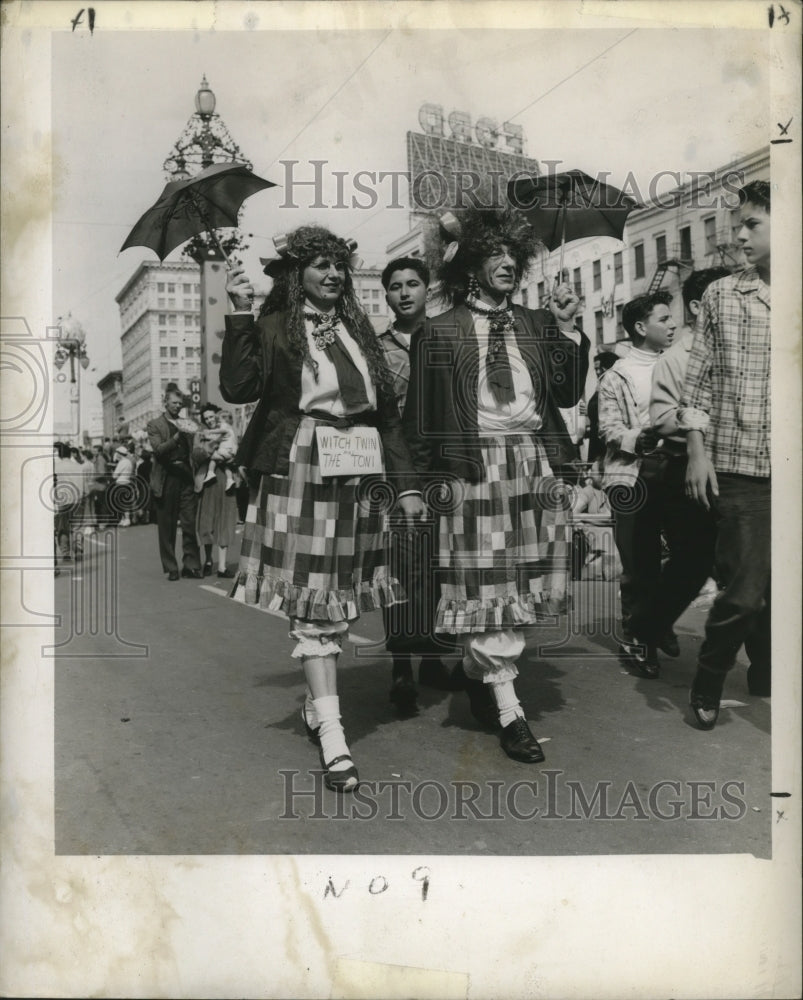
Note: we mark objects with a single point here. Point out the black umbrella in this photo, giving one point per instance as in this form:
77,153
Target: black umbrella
208,201
570,206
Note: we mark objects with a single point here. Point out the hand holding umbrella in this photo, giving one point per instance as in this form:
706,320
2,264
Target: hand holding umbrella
239,288
563,302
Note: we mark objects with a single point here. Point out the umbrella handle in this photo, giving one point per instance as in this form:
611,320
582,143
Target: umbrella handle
562,244
205,219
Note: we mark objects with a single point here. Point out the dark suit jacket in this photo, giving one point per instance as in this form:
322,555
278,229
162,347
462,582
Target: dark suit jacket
257,363
166,452
440,416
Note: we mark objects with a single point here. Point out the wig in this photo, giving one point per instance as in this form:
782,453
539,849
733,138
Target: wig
303,246
478,234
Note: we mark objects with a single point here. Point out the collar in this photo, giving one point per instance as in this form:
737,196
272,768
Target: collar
394,335
307,306
749,282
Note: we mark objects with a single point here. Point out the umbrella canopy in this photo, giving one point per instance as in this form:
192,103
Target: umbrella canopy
570,206
210,200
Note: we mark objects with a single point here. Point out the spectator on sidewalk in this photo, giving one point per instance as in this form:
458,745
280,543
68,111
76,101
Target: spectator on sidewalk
172,488
122,490
217,507
725,410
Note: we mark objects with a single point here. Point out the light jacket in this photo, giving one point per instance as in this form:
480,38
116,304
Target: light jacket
619,426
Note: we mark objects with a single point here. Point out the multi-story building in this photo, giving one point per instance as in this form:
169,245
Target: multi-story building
111,395
371,296
161,336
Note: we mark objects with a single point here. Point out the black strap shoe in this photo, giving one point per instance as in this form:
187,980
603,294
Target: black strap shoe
642,657
704,697
520,744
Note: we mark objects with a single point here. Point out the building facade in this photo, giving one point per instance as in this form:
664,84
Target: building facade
371,296
161,336
689,228
111,396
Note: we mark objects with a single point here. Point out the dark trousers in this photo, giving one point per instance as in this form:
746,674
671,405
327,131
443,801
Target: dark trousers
641,559
741,613
409,627
177,504
663,594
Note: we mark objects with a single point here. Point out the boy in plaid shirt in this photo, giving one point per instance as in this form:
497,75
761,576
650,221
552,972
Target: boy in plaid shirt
725,411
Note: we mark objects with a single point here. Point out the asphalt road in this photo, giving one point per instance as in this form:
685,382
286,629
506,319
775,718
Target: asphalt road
178,732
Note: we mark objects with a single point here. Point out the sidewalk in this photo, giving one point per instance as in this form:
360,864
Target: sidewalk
178,732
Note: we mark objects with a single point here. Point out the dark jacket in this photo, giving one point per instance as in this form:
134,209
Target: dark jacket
440,416
170,454
258,364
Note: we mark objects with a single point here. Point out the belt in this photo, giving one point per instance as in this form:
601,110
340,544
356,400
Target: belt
672,449
366,419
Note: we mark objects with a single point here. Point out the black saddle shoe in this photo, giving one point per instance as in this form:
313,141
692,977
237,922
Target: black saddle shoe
520,744
705,709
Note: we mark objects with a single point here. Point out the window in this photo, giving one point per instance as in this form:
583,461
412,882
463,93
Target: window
685,243
165,382
171,303
710,230
171,288
162,352
598,319
524,297
541,290
173,319
638,260
163,335
173,352
619,328
188,303
162,319
161,303
617,269
374,293
578,282
188,320
597,271
189,352
660,248
186,289
197,289
160,286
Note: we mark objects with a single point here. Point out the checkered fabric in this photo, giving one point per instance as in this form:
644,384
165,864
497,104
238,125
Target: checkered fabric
314,548
397,359
504,550
726,393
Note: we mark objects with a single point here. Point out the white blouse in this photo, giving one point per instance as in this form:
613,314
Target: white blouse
505,418
324,395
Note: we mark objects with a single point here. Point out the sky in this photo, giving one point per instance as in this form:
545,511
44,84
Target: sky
616,100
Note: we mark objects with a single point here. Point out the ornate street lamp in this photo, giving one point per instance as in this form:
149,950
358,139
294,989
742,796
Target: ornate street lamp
204,141
71,346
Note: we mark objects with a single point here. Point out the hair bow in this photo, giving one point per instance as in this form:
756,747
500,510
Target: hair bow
449,223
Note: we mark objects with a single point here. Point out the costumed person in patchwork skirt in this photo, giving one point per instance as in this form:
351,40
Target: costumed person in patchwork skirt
314,540
486,380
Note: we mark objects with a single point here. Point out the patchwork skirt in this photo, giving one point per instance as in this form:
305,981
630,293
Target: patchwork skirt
314,547
505,542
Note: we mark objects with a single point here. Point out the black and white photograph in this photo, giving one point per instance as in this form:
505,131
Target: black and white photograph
396,531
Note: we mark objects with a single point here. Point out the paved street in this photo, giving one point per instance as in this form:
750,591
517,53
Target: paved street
177,709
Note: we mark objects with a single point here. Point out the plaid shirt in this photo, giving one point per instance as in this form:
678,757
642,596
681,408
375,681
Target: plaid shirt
726,393
397,358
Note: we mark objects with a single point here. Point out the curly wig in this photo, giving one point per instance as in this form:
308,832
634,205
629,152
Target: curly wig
482,232
287,295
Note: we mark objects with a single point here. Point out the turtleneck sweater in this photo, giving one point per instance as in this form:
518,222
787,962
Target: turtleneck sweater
639,365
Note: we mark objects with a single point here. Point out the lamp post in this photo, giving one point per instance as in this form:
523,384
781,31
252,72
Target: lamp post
204,142
71,346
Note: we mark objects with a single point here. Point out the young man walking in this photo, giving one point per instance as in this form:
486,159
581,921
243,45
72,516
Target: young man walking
725,410
409,627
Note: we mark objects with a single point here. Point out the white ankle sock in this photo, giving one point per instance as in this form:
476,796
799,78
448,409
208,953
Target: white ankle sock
506,701
333,740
